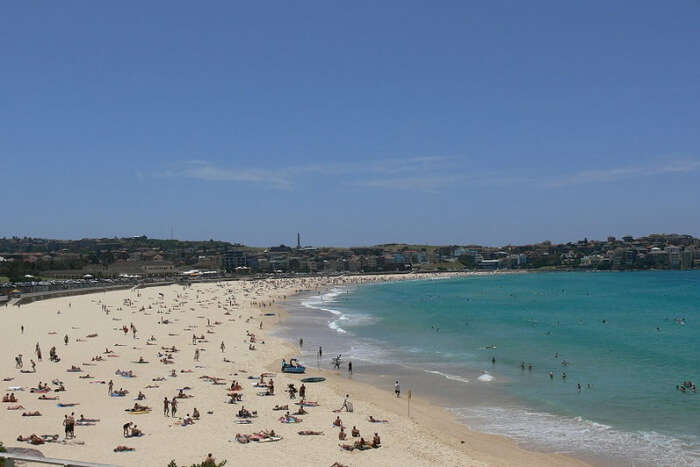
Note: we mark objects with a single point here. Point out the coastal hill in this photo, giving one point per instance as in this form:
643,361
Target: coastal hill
26,258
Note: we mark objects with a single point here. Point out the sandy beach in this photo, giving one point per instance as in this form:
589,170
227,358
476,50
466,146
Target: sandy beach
108,334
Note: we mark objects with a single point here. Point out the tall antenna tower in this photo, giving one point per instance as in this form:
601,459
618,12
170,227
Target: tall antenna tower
298,241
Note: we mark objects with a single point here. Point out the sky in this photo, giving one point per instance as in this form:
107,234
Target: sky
353,123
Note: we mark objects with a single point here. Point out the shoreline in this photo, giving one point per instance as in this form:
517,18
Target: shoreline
429,437
437,421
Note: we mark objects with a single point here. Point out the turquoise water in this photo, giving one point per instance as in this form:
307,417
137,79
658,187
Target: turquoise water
631,336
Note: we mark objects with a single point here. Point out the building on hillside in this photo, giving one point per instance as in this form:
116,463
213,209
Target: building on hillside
489,264
674,256
688,258
158,268
234,259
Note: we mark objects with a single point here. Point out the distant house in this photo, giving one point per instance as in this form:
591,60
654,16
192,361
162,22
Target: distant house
159,268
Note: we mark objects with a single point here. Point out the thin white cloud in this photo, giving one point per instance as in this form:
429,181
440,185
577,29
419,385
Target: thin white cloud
427,174
285,178
624,173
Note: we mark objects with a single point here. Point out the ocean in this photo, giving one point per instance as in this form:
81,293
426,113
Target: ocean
627,338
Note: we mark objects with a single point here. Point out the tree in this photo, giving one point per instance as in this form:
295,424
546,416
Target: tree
468,261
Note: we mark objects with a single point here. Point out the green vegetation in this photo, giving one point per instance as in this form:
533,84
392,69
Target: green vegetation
4,279
203,464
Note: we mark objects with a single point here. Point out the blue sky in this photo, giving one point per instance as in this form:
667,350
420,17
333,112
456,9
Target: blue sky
354,123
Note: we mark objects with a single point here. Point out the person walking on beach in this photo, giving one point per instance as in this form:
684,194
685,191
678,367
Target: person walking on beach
320,352
66,426
301,343
173,407
38,351
196,355
22,329
347,405
223,347
65,339
397,388
110,387
350,368
71,424
166,407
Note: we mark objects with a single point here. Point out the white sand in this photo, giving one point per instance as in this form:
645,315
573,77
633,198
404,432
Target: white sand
429,437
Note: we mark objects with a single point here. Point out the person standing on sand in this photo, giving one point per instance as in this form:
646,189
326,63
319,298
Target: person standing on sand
320,352
346,403
223,347
22,329
397,388
350,368
173,407
196,355
110,387
65,339
166,407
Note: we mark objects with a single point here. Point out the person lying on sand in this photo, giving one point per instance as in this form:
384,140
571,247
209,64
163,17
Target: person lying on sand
138,408
34,439
287,418
123,449
280,407
36,413
44,397
374,420
310,433
83,419
15,407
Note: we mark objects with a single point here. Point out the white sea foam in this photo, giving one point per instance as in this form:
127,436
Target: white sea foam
485,378
461,379
578,435
334,325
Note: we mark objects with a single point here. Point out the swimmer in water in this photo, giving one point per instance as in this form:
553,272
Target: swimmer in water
551,375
